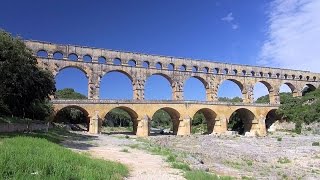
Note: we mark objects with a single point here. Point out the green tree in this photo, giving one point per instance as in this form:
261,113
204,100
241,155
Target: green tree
69,93
161,119
226,99
25,88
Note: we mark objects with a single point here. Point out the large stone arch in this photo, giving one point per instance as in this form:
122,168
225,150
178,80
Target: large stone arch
199,78
271,118
105,73
307,88
244,90
167,77
175,117
82,69
210,116
132,113
246,117
83,110
270,88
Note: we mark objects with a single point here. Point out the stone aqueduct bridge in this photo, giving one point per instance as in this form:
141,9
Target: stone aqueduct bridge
138,67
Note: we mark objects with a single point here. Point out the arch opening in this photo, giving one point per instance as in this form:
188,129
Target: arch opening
75,117
271,118
206,70
165,121
102,60
158,87
203,121
183,67
230,91
241,121
146,64
121,90
120,120
132,63
87,58
73,57
158,65
195,89
58,55
170,66
117,62
308,88
72,78
42,54
261,92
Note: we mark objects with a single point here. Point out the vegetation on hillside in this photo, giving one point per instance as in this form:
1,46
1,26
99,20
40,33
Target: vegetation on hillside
226,99
305,109
283,97
69,93
25,88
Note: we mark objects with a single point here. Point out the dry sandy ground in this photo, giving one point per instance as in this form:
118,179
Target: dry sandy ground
278,156
142,165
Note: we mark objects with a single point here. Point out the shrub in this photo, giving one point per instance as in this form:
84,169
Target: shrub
316,144
279,139
283,160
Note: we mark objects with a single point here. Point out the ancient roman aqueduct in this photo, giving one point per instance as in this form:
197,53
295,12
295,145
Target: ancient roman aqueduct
95,63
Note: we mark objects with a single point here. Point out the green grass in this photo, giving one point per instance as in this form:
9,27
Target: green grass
202,175
38,158
55,135
283,160
316,144
125,150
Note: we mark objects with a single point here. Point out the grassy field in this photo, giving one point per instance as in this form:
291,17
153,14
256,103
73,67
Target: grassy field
37,156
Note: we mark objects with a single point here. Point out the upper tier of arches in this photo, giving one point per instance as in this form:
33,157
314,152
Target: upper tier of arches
103,56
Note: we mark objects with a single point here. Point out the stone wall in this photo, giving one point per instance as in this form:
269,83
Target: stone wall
19,127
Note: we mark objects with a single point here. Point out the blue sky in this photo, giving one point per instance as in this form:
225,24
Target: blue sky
245,32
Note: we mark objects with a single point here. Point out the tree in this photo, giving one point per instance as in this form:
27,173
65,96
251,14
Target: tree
25,88
69,93
226,99
283,97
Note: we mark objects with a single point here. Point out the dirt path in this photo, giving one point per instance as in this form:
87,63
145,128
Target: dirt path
142,164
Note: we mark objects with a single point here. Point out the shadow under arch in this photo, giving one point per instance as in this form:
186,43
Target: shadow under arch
119,110
174,118
271,118
241,121
308,88
74,116
210,117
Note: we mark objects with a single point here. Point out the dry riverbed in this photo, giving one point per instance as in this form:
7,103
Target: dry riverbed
278,156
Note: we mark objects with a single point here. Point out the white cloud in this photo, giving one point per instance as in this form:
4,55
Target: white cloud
234,26
228,18
293,35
